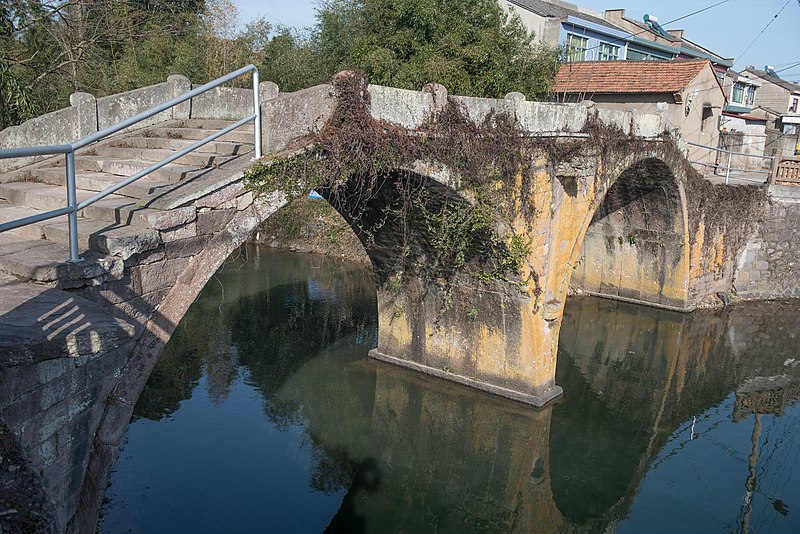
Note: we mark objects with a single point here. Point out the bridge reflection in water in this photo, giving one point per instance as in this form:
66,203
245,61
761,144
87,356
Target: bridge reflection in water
389,450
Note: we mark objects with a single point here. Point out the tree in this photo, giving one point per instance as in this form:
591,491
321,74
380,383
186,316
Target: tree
472,47
291,59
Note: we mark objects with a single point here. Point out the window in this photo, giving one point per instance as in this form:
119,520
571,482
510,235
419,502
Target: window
750,95
793,107
738,93
576,47
744,94
608,52
706,119
636,55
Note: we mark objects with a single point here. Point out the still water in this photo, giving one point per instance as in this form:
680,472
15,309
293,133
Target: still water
265,415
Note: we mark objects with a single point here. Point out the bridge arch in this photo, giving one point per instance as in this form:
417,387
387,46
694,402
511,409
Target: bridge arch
635,244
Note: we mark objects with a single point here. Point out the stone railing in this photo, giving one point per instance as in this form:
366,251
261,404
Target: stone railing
287,117
87,115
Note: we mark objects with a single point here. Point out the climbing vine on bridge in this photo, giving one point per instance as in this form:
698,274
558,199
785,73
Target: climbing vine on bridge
476,222
366,170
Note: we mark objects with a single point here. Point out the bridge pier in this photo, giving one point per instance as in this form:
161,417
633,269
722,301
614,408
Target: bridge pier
499,334
479,336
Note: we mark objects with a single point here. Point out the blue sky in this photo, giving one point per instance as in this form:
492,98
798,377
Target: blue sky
726,29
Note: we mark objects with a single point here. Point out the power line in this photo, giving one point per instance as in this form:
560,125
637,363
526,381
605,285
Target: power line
696,12
762,31
793,65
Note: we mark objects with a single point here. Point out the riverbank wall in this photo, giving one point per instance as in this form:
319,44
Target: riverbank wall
768,265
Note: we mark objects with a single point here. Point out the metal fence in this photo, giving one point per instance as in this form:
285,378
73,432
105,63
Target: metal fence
73,206
728,170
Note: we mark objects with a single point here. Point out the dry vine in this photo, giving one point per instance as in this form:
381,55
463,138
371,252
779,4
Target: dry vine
364,168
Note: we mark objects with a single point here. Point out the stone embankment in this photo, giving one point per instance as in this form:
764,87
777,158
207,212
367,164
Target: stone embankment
311,225
768,267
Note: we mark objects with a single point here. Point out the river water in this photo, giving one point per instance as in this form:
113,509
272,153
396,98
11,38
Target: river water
265,415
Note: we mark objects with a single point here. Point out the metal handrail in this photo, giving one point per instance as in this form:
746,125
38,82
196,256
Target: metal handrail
73,207
730,153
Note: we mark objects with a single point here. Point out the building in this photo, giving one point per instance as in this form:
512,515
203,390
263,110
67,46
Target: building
688,92
589,36
778,102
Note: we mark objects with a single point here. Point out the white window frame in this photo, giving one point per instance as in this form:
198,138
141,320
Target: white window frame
574,50
600,52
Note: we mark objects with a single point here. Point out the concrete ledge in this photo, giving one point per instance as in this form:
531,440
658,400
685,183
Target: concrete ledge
637,301
532,400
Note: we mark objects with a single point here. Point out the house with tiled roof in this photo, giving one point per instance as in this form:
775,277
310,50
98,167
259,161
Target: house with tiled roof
688,92
589,36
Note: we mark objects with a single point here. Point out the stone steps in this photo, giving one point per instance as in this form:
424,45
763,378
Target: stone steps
113,208
43,261
171,173
136,219
222,148
154,155
99,181
195,134
99,236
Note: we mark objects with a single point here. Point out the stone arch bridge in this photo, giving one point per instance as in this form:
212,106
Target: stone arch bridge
79,340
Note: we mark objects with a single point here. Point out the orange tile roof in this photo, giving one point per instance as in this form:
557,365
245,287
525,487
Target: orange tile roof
627,76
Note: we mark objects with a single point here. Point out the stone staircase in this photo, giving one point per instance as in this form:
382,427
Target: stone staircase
134,220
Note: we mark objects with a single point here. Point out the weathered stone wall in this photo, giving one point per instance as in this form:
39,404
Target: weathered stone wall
768,266
635,248
225,103
291,116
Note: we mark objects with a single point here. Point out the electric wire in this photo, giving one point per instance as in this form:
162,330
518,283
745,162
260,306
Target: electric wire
793,65
762,31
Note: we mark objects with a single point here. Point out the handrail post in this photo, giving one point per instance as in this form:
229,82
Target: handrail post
728,170
773,168
257,111
72,202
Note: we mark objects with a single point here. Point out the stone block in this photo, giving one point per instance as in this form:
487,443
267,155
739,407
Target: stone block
615,117
185,248
155,276
225,103
86,105
213,221
479,110
221,196
56,128
180,86
178,233
548,117
292,116
403,107
647,124
115,422
112,110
